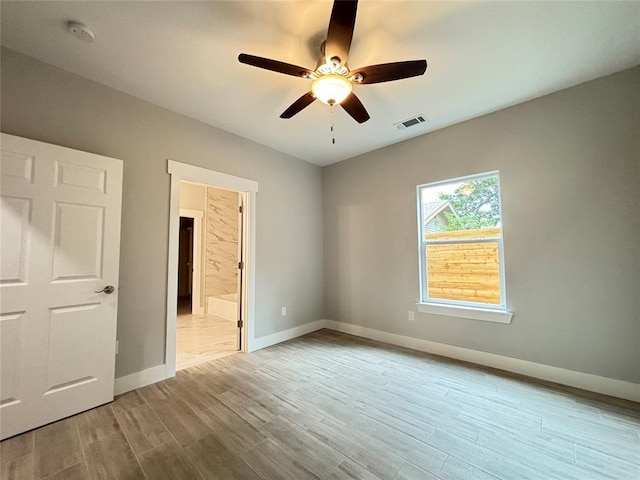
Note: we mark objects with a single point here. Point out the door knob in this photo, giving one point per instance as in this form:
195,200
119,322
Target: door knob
109,289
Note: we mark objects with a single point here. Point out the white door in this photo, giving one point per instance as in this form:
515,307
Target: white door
59,246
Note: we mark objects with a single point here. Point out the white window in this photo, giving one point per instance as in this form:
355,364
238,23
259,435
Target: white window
461,250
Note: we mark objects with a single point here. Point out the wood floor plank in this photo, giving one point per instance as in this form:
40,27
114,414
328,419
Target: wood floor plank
76,472
194,395
110,458
455,469
252,410
488,398
244,381
18,469
535,458
507,420
216,462
313,454
143,428
349,470
96,423
569,409
57,446
543,441
210,377
409,471
426,418
16,447
233,432
127,401
620,420
271,461
169,462
607,465
182,422
360,448
608,439
500,466
395,440
157,394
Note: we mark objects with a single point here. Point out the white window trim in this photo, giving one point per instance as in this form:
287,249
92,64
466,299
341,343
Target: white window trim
473,313
454,308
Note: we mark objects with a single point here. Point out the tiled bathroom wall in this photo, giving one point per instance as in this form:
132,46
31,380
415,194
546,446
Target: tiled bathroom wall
221,258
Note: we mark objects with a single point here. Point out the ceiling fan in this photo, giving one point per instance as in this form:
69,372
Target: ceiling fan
332,80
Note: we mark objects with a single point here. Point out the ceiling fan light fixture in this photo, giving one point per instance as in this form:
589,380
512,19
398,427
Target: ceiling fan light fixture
332,80
331,89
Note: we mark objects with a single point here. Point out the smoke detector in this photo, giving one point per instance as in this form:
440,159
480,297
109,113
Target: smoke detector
81,32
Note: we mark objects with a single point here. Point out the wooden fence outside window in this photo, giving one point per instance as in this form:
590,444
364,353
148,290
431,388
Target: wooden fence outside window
468,272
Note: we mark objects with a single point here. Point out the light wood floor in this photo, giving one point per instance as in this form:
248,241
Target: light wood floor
332,406
203,338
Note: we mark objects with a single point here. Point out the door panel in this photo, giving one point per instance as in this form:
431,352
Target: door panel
17,166
10,357
59,247
15,215
70,358
73,260
68,174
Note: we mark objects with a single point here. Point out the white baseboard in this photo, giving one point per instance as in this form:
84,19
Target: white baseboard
156,374
585,381
572,378
140,379
267,341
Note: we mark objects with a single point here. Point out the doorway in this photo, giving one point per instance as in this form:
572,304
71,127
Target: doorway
183,174
185,266
208,317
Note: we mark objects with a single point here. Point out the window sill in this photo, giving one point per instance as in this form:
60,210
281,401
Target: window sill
484,314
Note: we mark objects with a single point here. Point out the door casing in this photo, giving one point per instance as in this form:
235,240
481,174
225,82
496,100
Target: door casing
248,190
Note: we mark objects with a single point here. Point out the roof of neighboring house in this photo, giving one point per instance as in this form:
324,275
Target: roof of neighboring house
431,209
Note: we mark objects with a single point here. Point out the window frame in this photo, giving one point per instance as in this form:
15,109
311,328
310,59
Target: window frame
465,309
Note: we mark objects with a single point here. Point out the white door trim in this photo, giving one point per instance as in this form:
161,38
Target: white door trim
185,172
196,275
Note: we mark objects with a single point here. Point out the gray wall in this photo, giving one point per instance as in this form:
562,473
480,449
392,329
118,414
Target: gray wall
570,175
48,104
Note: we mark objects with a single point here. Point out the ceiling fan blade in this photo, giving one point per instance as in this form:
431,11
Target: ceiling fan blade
388,72
353,106
303,102
273,65
340,33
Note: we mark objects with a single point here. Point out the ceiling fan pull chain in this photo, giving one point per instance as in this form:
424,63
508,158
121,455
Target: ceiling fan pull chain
333,136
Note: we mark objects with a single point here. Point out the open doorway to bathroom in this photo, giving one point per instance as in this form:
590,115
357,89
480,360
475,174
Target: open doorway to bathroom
185,266
209,274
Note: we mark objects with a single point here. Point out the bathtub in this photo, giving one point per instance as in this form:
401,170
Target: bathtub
225,306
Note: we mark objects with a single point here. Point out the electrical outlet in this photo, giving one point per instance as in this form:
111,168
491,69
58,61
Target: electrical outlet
284,311
117,346
412,316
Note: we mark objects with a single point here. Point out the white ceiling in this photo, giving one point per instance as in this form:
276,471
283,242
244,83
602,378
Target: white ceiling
483,56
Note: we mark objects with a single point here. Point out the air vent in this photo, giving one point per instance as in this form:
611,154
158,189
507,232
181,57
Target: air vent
411,122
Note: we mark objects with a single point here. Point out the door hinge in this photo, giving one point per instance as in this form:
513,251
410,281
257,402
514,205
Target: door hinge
241,209
240,323
241,265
